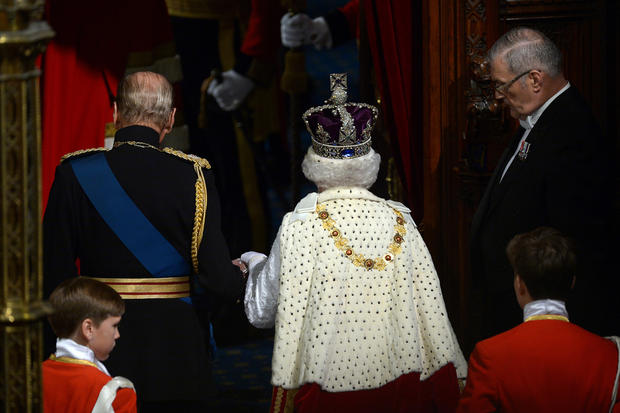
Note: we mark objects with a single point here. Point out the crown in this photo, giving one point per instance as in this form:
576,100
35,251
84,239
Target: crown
339,129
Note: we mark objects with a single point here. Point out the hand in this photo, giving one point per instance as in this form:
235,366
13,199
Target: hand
231,91
295,29
299,29
320,36
238,263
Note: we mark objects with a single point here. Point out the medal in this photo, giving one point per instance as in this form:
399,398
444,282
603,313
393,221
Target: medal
523,150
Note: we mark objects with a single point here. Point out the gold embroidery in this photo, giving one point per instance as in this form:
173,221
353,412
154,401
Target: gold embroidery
153,287
290,398
200,214
279,394
80,152
70,360
547,317
188,157
200,186
359,260
137,144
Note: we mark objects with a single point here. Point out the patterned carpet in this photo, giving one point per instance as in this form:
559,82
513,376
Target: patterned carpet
241,374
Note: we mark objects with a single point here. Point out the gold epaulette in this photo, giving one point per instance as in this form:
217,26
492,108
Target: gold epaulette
80,152
188,157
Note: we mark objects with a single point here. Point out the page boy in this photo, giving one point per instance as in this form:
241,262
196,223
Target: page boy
85,320
545,364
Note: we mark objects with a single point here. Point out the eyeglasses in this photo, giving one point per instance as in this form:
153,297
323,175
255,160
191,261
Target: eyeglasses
502,88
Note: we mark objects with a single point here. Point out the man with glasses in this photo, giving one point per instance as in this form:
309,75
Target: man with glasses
555,173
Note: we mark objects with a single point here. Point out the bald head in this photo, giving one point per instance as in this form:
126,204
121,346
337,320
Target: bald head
145,98
524,49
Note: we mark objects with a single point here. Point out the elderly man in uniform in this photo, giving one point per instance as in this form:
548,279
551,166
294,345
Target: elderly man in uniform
146,221
555,173
360,322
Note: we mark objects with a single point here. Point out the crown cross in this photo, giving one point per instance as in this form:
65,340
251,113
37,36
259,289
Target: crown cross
338,87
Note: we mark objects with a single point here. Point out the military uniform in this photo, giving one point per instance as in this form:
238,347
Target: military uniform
162,348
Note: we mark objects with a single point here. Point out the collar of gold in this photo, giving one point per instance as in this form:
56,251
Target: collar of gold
359,260
547,317
135,143
71,360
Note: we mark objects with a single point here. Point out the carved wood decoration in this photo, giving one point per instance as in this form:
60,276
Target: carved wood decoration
22,38
484,127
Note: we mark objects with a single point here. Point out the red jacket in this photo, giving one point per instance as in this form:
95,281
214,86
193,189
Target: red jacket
74,388
541,366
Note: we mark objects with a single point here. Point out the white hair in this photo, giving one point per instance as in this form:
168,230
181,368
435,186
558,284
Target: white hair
330,173
523,48
145,98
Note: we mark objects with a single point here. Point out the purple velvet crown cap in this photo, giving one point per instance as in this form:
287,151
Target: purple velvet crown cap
340,130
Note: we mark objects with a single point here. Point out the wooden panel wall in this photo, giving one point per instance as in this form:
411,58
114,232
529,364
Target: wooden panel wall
465,133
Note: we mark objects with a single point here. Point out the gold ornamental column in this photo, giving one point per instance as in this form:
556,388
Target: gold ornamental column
23,36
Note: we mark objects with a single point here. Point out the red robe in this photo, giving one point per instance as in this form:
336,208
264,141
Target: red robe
262,38
74,388
541,366
407,394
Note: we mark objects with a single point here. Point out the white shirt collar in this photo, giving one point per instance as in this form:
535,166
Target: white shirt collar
531,119
65,347
544,307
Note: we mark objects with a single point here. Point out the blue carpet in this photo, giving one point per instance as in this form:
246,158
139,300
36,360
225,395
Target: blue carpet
241,377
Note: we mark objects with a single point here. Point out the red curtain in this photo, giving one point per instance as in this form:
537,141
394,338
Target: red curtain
394,40
92,38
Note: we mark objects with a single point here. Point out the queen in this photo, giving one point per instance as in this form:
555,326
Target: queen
360,321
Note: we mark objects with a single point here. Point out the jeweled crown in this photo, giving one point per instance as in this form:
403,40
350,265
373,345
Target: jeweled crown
339,129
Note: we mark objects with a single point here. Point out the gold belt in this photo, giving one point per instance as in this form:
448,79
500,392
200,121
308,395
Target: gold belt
139,288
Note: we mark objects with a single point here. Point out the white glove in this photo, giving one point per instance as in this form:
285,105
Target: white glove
231,91
298,30
252,258
320,36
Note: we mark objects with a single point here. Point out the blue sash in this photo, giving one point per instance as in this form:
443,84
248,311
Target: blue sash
122,215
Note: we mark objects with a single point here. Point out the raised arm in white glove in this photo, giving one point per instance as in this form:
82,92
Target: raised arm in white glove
263,286
299,29
231,91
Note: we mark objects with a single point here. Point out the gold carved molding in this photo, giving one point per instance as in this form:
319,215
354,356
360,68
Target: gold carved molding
23,36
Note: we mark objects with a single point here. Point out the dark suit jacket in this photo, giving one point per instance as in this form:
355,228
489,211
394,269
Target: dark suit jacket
541,366
563,183
162,347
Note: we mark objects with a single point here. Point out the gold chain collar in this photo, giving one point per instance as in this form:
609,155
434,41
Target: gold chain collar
360,260
135,143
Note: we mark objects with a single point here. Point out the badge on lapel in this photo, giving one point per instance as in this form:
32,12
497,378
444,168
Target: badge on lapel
523,150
